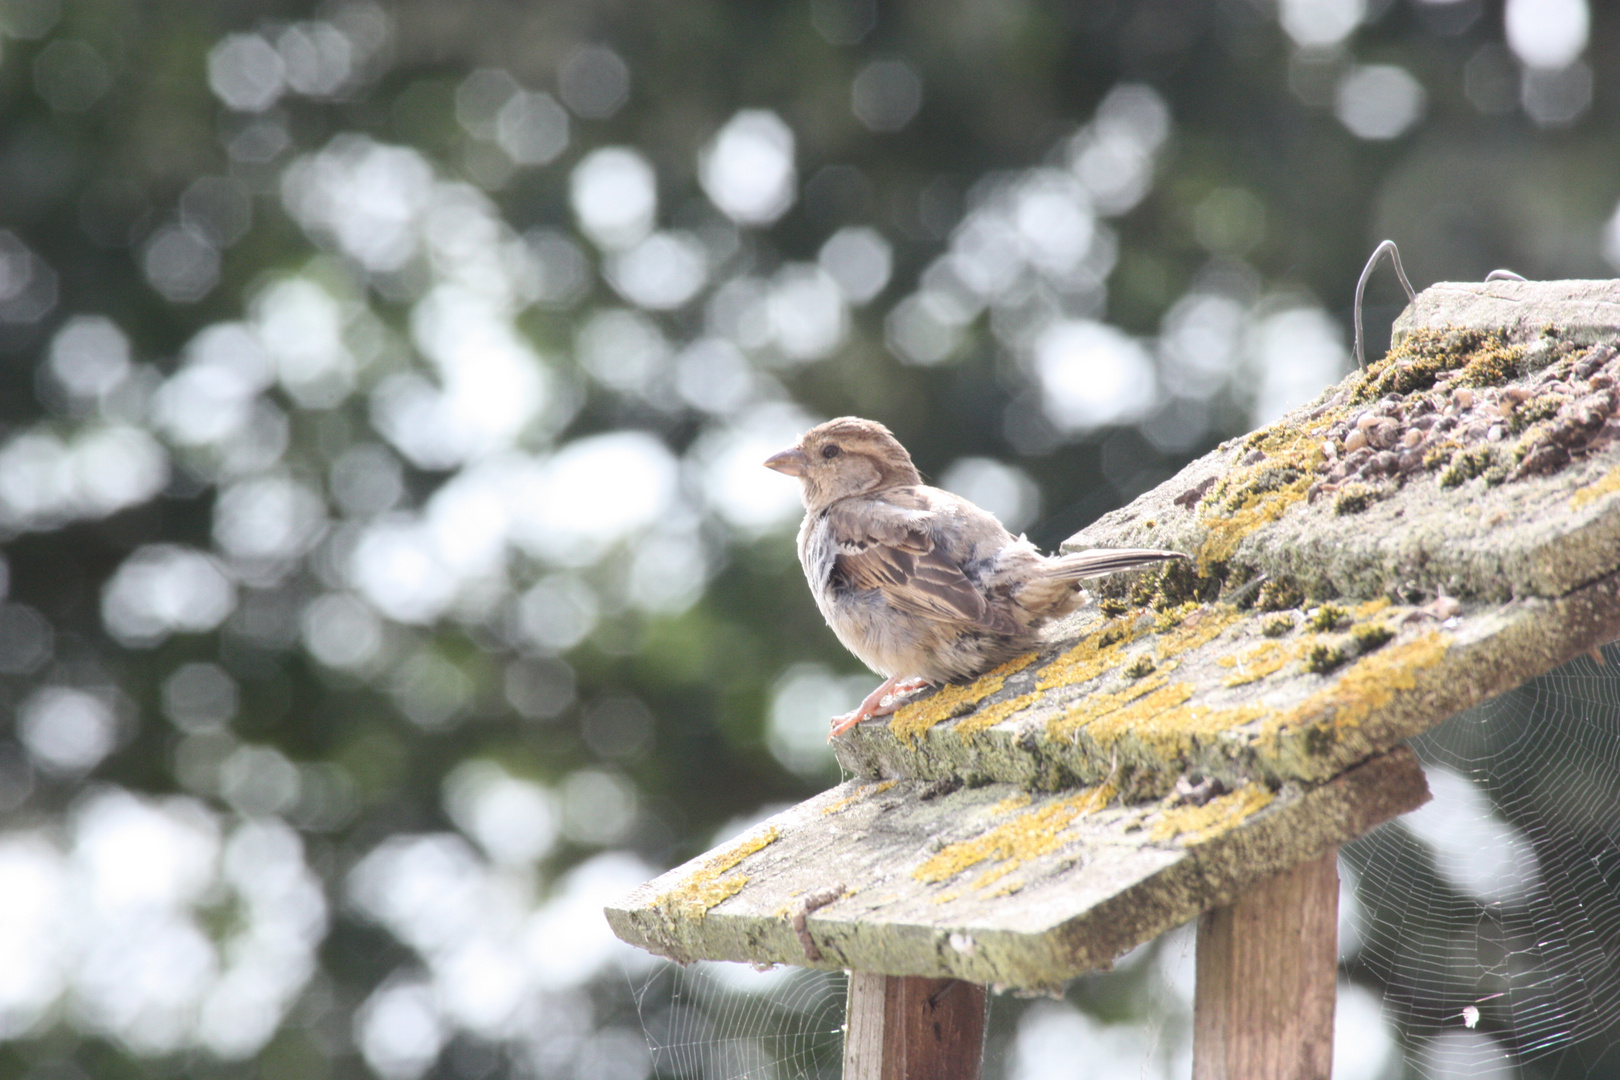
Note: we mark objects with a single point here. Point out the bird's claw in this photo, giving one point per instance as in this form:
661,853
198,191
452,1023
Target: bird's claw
880,702
843,722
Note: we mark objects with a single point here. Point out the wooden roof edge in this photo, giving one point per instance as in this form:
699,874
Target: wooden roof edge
1293,725
1032,939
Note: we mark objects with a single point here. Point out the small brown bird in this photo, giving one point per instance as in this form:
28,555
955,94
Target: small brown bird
915,581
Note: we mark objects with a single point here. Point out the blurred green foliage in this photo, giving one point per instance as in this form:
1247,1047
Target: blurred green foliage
358,724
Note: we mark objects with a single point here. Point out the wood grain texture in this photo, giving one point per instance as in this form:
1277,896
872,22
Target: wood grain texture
1088,889
1267,976
909,1028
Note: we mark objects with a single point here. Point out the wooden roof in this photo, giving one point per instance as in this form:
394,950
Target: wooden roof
1206,726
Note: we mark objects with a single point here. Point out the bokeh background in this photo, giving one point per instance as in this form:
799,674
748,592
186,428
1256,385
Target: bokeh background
390,578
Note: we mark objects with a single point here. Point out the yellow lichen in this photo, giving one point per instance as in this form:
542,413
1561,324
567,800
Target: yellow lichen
1369,607
988,716
1155,711
911,721
1096,654
1091,656
857,795
1196,631
1366,686
1008,845
1264,659
1604,485
1139,717
1113,714
1195,824
1250,496
705,888
1172,732
1226,533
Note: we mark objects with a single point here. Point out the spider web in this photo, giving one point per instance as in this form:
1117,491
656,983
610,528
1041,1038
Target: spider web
720,1021
728,1022
1487,923
1489,920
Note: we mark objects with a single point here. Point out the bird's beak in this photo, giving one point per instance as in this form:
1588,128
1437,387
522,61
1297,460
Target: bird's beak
793,462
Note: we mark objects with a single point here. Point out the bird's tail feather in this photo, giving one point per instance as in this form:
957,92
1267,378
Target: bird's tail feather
1099,561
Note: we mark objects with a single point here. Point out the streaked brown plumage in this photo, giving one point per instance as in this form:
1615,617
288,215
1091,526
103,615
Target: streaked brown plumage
915,581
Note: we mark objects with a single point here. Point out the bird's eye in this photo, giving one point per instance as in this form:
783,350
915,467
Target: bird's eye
830,451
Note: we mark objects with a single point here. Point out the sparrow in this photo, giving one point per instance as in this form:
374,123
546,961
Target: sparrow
923,586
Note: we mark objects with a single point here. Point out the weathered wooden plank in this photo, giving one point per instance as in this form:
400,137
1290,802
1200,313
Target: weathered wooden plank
1267,973
990,884
1239,707
1532,511
907,1028
1585,312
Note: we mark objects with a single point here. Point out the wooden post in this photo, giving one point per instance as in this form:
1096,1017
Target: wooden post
910,1028
1267,975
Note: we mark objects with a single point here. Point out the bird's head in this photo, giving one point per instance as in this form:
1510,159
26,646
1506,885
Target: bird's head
844,457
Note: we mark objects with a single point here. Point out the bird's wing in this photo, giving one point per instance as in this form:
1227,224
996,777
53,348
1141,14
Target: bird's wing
885,546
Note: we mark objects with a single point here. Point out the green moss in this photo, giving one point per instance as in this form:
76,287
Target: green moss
1322,659
1173,617
1327,617
1354,498
1167,587
1249,497
1140,667
1113,606
1412,365
1144,586
1534,439
1278,627
1370,636
1280,594
1533,411
1263,482
1467,464
1439,455
1484,359
1491,361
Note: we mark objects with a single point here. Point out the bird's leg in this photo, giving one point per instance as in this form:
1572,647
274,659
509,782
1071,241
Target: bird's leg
880,702
903,688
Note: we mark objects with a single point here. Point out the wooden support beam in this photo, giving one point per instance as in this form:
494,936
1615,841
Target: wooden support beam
1267,975
912,1028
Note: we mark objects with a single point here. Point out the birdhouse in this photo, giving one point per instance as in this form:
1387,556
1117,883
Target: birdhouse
1426,534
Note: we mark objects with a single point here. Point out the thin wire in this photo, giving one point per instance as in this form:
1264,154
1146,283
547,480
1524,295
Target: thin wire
1387,247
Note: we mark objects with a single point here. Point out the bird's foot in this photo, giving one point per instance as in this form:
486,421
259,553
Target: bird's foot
880,702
